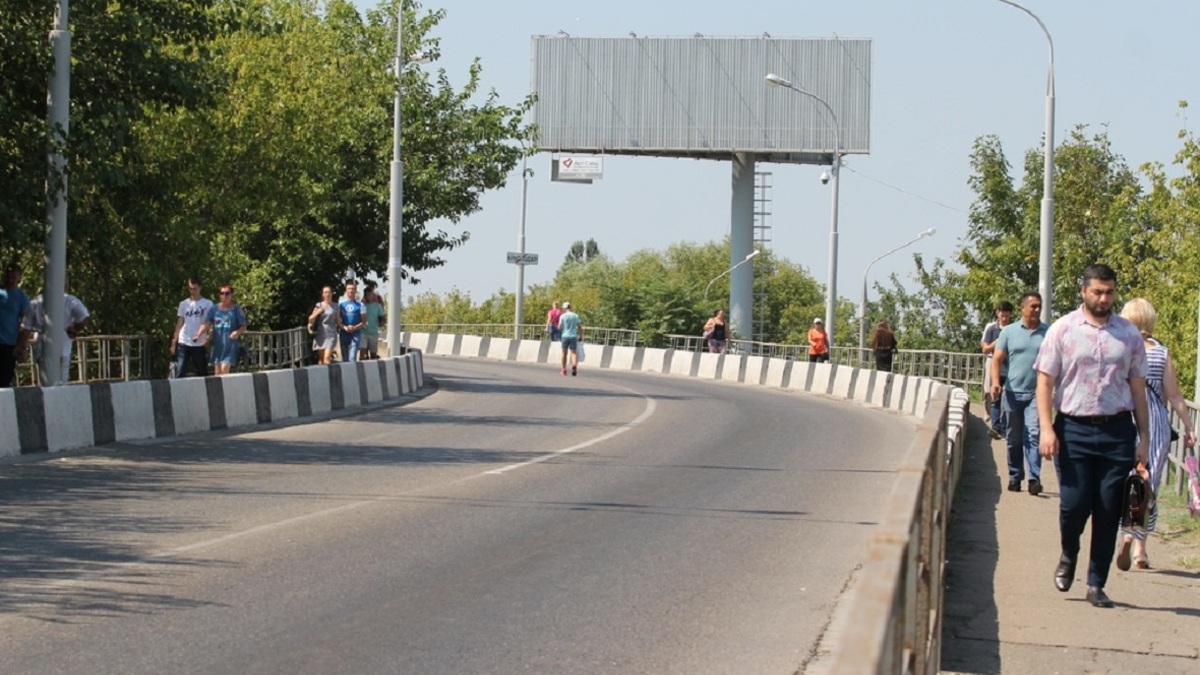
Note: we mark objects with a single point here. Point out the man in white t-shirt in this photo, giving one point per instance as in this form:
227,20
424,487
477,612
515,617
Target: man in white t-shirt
185,348
75,317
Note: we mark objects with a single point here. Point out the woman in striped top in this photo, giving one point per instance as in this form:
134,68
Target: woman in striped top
1162,389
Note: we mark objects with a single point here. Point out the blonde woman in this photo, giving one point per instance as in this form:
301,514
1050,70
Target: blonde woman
323,325
1162,389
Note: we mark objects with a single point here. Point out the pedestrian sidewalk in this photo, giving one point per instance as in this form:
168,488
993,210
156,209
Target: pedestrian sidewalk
1002,612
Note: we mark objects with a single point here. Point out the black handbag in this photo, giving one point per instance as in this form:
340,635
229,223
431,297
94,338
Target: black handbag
1137,500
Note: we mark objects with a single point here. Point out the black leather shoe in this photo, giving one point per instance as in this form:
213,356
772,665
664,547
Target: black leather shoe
1064,574
1097,597
1014,486
1035,488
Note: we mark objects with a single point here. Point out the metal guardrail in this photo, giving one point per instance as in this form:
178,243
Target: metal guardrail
963,370
896,614
98,358
617,337
117,358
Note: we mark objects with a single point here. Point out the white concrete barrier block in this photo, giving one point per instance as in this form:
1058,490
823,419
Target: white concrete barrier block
68,417
899,386
529,350
843,377
470,346
390,378
622,358
754,369
822,374
350,396
731,367
417,361
240,406
10,438
708,366
776,368
189,405
374,383
498,348
862,384
799,378
281,385
879,388
681,363
653,360
320,398
406,375
420,341
924,388
133,410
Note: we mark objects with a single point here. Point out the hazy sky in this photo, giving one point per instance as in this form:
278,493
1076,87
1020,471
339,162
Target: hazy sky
945,72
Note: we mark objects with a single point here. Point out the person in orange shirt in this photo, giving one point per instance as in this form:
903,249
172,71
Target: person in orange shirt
818,342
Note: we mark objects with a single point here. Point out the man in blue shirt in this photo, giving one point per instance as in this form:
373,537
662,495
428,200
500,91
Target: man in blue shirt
572,333
13,336
1017,347
351,318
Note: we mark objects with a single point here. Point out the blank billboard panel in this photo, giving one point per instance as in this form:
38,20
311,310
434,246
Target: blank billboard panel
702,96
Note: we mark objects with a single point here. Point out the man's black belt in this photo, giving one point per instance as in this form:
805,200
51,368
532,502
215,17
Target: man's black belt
1097,420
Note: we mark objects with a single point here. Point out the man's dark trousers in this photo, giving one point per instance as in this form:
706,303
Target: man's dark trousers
1093,461
196,356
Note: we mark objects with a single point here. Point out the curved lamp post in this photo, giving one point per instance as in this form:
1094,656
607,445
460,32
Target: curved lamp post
862,305
835,169
1046,248
748,259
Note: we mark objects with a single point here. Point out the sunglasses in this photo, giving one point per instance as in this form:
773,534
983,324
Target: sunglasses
226,292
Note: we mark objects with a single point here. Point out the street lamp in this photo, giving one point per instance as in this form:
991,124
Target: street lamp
862,305
520,308
396,195
748,259
1046,248
835,169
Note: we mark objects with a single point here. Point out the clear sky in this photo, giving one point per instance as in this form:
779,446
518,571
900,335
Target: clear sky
945,72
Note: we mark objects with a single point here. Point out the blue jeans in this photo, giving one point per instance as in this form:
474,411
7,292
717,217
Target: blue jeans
1022,435
996,412
349,343
1093,461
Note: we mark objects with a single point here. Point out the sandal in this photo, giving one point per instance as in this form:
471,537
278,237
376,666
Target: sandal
1123,556
1142,562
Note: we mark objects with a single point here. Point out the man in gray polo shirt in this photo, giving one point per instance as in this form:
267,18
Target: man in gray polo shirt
1018,347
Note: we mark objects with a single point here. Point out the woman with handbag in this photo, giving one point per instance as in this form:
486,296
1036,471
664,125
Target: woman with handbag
1162,389
883,343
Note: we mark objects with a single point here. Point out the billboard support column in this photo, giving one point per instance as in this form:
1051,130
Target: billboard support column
741,244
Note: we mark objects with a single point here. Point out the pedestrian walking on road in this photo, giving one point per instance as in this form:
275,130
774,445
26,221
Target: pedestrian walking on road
1015,351
716,332
1162,390
351,318
376,314
552,327
572,333
1091,400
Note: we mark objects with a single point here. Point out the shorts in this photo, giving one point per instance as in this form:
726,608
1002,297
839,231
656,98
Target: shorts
370,343
570,344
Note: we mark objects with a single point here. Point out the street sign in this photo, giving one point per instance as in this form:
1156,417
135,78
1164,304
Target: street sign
577,168
515,258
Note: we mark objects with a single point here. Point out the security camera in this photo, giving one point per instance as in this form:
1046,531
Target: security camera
824,178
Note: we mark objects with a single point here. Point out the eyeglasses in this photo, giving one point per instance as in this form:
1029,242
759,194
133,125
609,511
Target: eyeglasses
226,292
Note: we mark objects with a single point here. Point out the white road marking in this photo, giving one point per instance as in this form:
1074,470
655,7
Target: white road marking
651,407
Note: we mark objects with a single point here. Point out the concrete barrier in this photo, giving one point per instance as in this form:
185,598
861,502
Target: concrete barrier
52,419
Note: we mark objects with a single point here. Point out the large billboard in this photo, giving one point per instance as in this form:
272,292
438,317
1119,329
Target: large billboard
702,97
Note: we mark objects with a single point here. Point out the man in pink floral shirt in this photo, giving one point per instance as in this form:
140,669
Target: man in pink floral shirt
1092,371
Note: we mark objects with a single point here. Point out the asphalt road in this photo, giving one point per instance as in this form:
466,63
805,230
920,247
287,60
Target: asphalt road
513,521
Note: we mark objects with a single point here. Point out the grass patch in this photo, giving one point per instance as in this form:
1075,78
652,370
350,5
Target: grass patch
1178,528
